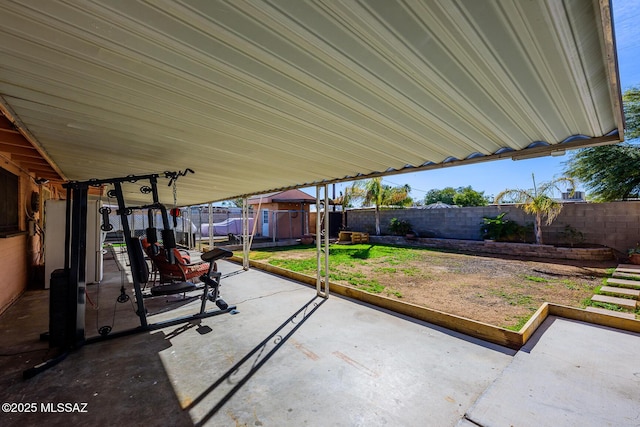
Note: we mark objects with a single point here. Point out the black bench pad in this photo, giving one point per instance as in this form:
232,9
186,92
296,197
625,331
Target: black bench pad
173,288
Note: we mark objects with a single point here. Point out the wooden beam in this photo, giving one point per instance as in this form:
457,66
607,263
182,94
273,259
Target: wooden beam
5,123
9,122
14,138
51,178
595,318
24,151
27,160
41,169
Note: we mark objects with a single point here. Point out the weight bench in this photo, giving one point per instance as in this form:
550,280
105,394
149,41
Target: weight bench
211,278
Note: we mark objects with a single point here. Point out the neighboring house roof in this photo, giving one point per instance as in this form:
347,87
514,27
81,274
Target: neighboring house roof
439,205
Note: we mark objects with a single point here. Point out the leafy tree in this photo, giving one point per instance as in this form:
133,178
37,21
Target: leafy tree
467,196
461,196
538,201
378,194
631,106
445,195
611,172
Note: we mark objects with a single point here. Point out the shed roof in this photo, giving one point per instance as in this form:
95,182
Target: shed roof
287,196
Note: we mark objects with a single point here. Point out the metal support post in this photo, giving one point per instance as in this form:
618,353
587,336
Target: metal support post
322,241
245,234
77,283
211,243
122,211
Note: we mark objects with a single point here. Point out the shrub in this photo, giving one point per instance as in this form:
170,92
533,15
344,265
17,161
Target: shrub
399,227
572,236
500,229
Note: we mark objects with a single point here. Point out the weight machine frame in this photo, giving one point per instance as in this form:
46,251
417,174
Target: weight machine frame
67,330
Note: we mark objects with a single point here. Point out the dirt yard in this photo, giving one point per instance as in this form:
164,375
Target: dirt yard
498,291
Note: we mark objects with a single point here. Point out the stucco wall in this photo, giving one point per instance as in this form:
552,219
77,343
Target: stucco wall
13,269
616,224
21,255
14,250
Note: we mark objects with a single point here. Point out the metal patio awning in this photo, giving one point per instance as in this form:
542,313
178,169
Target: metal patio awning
259,96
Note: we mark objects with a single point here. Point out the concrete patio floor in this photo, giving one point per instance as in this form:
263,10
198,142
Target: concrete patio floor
289,358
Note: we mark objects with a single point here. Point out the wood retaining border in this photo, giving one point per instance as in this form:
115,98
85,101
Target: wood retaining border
494,334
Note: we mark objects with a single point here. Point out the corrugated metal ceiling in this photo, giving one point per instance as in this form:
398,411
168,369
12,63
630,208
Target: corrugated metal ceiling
263,95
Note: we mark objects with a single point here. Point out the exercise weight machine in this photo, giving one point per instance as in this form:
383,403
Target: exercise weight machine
68,285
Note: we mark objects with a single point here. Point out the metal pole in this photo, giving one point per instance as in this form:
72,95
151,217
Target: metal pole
210,226
122,211
75,335
325,236
322,291
245,234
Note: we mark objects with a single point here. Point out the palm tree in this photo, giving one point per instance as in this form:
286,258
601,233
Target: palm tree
378,194
351,194
538,201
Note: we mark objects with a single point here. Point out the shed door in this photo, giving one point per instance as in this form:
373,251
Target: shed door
265,222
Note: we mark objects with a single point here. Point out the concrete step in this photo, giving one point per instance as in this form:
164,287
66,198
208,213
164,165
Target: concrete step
629,268
629,304
623,283
624,275
620,314
622,292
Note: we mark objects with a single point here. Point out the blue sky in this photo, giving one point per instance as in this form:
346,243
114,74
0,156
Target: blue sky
495,176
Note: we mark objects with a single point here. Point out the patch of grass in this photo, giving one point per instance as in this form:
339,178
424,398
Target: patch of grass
347,276
524,300
411,271
368,251
537,279
371,286
258,256
612,307
587,302
388,270
519,324
569,284
297,265
514,299
394,292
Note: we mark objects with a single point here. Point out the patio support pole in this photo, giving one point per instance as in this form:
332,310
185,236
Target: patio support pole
322,242
245,234
325,236
210,226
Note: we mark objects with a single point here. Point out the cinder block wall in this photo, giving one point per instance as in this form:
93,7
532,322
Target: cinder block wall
615,224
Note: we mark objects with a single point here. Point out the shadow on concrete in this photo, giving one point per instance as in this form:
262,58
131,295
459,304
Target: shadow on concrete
454,334
114,382
246,367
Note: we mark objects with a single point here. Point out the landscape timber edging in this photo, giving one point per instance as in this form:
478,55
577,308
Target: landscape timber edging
494,334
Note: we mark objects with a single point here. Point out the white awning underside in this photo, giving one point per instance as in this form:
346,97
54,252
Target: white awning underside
257,96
